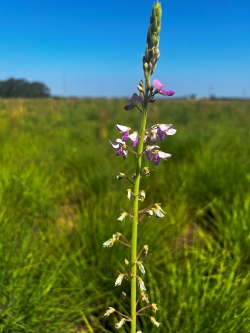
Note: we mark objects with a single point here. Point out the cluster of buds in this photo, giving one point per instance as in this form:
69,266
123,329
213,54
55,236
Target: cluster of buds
152,53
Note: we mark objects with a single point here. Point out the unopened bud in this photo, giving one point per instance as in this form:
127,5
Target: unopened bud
140,88
126,262
120,176
145,247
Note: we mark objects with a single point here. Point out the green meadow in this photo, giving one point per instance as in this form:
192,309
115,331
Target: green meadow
59,202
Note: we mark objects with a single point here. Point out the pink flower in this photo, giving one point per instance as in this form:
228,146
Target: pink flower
158,85
160,154
121,146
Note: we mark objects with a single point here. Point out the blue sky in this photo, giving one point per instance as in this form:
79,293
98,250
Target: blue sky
94,48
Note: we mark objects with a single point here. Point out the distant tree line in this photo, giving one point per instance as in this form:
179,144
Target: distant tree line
22,88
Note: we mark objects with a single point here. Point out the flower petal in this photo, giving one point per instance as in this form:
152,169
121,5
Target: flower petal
125,136
164,155
157,159
160,133
129,107
124,153
167,92
171,131
157,84
121,128
165,127
119,151
115,144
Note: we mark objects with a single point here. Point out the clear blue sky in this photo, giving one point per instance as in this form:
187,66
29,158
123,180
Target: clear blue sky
94,48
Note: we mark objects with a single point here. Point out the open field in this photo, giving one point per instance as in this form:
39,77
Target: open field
59,202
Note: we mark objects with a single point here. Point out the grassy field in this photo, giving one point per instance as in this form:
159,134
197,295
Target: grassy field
59,201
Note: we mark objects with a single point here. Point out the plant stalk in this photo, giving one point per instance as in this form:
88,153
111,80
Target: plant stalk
135,209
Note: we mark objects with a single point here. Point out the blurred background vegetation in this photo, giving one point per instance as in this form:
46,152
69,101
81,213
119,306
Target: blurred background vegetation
60,201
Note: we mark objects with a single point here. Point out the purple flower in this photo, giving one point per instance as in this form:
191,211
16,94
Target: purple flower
132,100
158,85
123,129
149,152
160,154
134,137
159,130
121,146
163,128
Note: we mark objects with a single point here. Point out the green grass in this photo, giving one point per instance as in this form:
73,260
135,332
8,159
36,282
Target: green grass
59,202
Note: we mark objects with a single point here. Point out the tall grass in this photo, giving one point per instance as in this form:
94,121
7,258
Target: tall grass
57,188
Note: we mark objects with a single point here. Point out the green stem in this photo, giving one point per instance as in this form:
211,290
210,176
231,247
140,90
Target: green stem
135,209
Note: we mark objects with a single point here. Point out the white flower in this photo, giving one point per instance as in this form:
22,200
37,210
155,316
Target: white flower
158,206
120,175
142,195
146,249
157,213
117,235
141,284
124,295
149,212
154,322
108,312
118,281
154,306
122,217
145,170
110,242
144,297
121,322
122,128
129,193
141,267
